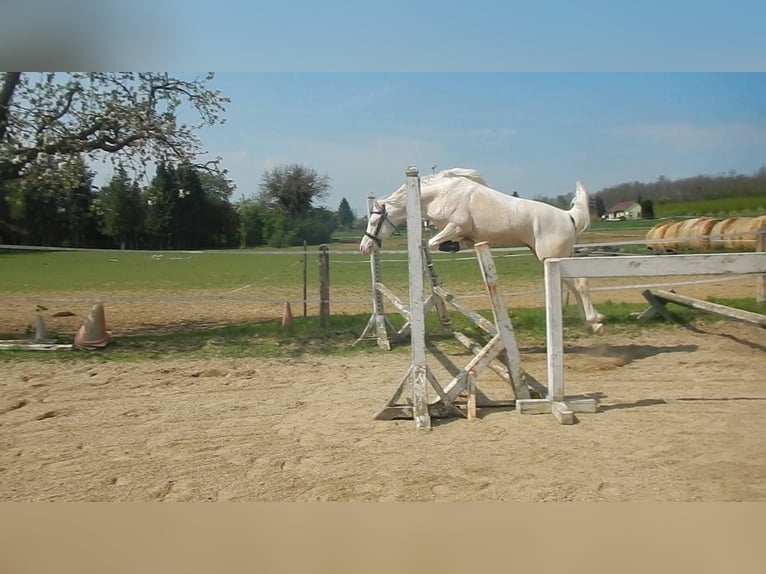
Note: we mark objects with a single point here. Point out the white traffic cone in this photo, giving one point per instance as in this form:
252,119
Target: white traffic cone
93,334
41,333
287,315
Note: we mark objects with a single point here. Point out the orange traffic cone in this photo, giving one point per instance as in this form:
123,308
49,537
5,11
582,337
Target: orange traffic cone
93,334
287,315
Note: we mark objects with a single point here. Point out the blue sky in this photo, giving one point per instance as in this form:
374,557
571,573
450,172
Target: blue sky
481,35
534,133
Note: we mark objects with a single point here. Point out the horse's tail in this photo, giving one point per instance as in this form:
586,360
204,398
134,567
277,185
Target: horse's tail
579,212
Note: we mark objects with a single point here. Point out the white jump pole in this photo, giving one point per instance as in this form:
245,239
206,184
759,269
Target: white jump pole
419,370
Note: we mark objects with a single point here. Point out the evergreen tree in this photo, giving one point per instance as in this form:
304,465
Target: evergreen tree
190,223
346,216
122,210
600,206
647,209
161,201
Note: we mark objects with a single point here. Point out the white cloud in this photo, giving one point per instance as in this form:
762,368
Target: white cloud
684,136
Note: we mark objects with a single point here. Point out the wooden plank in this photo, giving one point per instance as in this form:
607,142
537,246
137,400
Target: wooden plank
657,307
471,402
381,333
437,387
715,308
544,406
500,369
324,286
433,281
533,406
34,347
562,412
477,364
502,321
481,322
404,311
583,405
435,410
496,366
760,281
406,379
417,314
659,265
554,327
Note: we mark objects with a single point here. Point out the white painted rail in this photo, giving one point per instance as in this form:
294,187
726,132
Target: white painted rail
627,266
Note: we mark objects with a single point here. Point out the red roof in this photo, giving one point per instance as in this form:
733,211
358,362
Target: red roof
622,206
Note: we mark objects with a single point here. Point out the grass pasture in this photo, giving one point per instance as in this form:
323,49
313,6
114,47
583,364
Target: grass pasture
749,205
230,302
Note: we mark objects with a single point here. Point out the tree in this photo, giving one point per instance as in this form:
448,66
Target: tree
122,210
647,209
252,220
600,206
345,215
189,221
293,189
316,228
221,220
53,207
161,201
48,117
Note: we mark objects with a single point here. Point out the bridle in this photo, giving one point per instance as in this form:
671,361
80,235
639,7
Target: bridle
383,216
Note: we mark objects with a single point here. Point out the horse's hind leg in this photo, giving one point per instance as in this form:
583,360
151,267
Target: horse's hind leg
592,318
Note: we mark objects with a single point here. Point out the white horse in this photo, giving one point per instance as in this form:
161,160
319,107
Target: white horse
466,211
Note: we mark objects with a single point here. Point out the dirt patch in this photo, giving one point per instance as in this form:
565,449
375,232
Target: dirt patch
681,418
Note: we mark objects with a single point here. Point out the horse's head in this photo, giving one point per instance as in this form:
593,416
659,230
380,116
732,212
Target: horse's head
379,226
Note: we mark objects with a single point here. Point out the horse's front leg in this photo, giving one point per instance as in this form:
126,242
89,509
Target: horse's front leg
448,239
594,320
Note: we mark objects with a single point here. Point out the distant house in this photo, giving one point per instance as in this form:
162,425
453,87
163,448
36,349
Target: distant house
624,210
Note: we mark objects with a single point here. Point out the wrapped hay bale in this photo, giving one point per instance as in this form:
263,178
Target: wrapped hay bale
658,232
739,233
744,233
689,231
702,228
723,227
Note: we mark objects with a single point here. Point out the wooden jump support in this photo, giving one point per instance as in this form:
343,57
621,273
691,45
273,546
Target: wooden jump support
658,299
753,264
379,327
500,354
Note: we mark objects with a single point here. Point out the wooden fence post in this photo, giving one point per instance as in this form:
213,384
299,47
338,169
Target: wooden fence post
760,280
305,277
324,287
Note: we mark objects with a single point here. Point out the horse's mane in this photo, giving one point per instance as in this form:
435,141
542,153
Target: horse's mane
399,197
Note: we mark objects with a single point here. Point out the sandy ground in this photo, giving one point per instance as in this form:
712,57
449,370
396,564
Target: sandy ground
680,419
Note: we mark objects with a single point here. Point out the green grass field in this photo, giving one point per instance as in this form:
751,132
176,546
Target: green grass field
725,207
103,271
72,272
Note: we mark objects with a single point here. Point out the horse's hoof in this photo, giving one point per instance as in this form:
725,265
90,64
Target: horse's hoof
449,246
597,328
